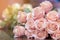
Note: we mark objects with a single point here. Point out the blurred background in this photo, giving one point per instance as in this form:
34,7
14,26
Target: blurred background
5,3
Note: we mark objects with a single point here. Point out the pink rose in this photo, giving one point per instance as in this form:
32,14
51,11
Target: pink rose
29,33
30,28
22,17
52,27
29,15
38,13
58,20
18,31
41,23
41,34
30,24
46,5
52,16
56,35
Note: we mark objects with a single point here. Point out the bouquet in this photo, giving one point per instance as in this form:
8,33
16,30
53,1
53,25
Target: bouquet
38,23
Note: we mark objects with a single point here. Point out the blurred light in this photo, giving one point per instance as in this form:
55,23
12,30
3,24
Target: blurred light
16,5
57,0
27,6
0,21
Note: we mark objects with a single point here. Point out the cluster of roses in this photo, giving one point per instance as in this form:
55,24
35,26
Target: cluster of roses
39,23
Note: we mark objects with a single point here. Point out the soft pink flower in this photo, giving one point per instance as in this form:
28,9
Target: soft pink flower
30,27
41,34
30,24
56,35
38,13
28,34
46,5
31,33
52,15
29,15
41,23
58,20
22,17
18,31
52,27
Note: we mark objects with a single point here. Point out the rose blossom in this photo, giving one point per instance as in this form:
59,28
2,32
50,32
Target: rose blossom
30,34
46,5
52,27
29,15
52,16
29,23
41,35
38,13
18,31
56,35
58,20
21,17
41,23
30,27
